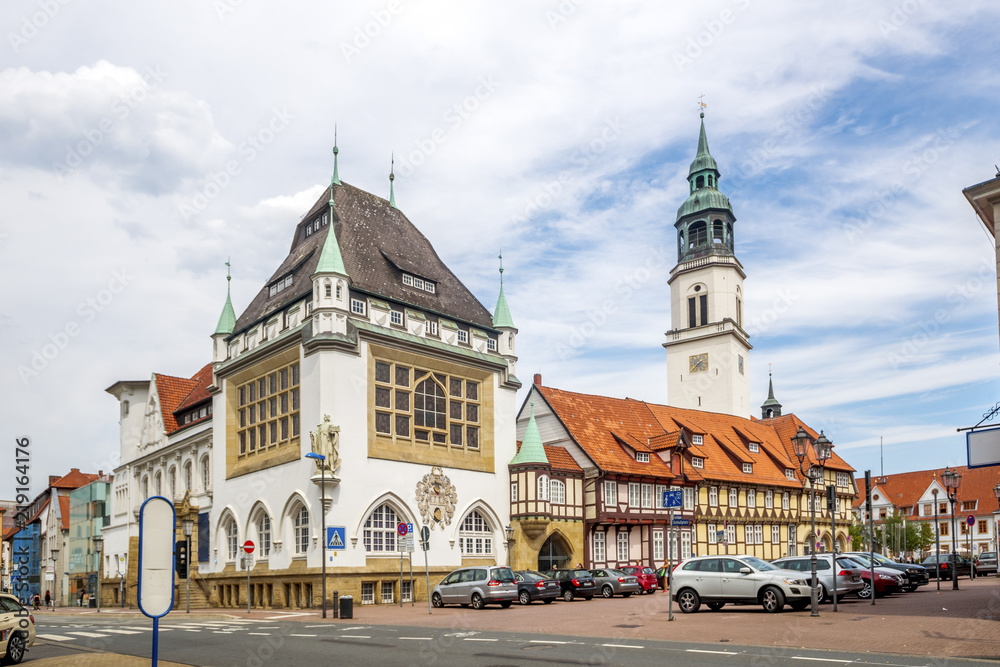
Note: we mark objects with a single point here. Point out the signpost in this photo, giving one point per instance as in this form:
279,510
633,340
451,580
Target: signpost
157,525
248,548
672,500
425,544
402,529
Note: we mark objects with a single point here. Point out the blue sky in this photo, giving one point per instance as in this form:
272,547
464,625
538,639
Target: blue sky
559,131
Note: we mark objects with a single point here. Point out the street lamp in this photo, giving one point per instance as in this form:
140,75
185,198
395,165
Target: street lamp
509,531
322,469
951,480
55,576
823,449
937,541
996,536
98,547
188,526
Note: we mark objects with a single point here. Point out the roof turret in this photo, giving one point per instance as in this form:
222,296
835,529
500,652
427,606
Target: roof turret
227,320
531,450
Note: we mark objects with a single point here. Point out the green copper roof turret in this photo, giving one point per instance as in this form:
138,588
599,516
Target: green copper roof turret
227,320
330,259
703,159
531,450
771,403
336,177
501,314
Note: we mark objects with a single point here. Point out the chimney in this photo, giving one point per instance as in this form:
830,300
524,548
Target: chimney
53,479
100,473
538,379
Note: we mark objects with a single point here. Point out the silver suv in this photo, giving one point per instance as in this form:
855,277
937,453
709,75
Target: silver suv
717,580
476,586
848,573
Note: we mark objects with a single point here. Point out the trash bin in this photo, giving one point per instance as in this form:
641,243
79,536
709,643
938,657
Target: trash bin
346,606
93,602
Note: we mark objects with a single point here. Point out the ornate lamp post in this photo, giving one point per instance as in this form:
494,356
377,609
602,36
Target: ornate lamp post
55,576
937,541
188,526
322,486
823,449
509,532
952,480
98,547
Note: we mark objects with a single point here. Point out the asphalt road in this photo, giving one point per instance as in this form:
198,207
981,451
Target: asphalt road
256,642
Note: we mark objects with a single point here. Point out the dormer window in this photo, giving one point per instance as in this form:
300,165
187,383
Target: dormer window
748,468
280,285
790,474
697,462
463,336
491,344
642,457
754,447
697,440
419,283
431,328
359,307
396,318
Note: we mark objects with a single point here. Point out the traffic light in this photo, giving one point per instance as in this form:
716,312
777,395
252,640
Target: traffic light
831,498
181,559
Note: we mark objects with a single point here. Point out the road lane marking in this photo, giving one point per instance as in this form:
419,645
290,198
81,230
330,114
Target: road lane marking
278,618
350,636
260,634
136,627
87,634
294,635
56,638
478,639
545,641
622,646
269,627
419,639
694,650
802,657
121,632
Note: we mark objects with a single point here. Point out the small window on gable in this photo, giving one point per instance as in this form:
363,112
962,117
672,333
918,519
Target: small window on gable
408,279
396,317
431,328
754,447
748,468
491,344
642,457
697,462
697,440
358,307
790,474
463,336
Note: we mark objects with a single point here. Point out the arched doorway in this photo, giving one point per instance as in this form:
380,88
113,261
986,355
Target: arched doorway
554,554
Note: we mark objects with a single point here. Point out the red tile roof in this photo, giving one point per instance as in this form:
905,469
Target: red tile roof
175,393
903,490
603,427
787,426
74,479
560,459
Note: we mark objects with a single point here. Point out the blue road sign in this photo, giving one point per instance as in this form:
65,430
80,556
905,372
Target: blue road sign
680,521
673,499
336,538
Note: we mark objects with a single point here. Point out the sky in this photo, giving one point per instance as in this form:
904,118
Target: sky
144,144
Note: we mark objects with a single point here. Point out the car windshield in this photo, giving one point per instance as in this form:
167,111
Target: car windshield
759,565
581,573
879,558
531,576
847,562
504,574
537,574
648,570
987,554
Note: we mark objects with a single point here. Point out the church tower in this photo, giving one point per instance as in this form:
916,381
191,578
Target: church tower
707,349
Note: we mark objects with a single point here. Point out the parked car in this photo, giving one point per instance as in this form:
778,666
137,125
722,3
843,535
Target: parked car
645,575
17,630
948,563
717,580
887,580
615,582
848,574
476,586
987,562
914,575
533,585
574,583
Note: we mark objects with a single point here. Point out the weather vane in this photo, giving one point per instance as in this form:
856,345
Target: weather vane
701,102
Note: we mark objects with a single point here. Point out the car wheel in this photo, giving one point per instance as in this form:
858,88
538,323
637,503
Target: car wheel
716,606
688,601
772,599
588,597
548,600
477,601
821,593
607,591
15,649
866,592
568,595
524,597
625,595
436,600
911,588
799,605
506,604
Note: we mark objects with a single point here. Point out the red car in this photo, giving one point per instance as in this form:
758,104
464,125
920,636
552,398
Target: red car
645,575
887,581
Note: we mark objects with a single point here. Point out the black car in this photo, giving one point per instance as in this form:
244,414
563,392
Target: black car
533,586
913,575
949,563
574,583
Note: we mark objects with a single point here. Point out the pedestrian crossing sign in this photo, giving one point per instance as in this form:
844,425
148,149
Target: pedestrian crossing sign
336,538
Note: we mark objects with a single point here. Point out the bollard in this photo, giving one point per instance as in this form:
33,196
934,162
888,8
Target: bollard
336,605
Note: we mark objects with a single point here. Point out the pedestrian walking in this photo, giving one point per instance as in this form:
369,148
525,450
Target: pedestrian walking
48,599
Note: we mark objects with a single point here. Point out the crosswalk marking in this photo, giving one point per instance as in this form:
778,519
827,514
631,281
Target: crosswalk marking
92,635
55,638
121,632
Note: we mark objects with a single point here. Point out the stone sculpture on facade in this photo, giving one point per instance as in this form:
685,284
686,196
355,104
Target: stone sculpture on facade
325,440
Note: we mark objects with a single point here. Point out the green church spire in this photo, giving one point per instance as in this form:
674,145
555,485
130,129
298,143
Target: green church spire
703,158
531,450
336,177
771,407
392,177
227,320
330,259
501,314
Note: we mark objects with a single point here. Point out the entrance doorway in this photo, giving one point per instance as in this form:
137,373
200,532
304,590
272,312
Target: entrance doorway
554,554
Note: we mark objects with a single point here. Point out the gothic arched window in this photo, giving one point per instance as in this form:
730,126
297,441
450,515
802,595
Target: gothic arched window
380,530
475,537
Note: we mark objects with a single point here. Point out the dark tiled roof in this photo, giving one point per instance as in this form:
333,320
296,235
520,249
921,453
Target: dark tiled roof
377,242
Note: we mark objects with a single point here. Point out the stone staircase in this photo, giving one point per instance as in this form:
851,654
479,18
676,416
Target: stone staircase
199,598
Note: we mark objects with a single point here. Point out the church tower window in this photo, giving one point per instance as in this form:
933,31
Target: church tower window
718,233
698,234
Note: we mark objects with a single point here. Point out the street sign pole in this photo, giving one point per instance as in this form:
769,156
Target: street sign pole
410,557
670,569
425,543
249,562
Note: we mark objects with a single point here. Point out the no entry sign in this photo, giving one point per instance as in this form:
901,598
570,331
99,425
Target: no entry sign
248,546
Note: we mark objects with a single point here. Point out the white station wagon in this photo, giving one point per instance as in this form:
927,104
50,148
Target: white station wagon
717,580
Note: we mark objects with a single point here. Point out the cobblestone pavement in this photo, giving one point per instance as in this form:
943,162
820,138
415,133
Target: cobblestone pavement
928,622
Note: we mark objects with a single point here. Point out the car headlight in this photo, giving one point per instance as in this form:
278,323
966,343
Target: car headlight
886,577
795,582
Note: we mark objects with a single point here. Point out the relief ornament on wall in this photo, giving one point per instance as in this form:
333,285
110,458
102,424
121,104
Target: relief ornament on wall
436,498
